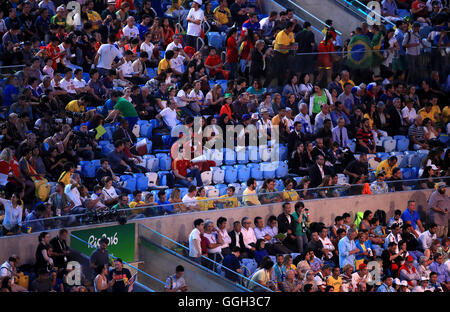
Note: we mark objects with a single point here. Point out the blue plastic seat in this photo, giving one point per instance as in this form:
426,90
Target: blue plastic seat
282,169
230,174
216,40
108,148
383,155
402,144
243,173
165,162
130,182
141,182
253,154
242,156
406,173
268,170
87,169
255,171
96,163
144,129
229,156
222,189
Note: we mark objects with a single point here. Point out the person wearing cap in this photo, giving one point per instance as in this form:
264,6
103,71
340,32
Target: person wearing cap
195,19
438,209
59,18
408,272
423,285
264,125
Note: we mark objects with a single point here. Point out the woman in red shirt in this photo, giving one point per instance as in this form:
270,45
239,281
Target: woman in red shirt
214,64
232,51
167,31
324,59
246,51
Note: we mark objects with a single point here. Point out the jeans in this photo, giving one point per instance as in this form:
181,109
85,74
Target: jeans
195,173
131,122
302,240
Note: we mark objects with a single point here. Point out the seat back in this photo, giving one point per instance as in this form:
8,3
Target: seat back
255,171
206,177
230,174
282,169
218,175
152,178
243,173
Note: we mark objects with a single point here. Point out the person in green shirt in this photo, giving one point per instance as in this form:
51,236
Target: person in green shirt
59,18
127,110
301,216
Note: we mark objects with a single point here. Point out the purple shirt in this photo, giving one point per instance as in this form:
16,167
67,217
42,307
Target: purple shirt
441,270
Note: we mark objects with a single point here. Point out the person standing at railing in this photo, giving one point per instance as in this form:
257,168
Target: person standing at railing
194,18
412,43
119,277
195,249
284,42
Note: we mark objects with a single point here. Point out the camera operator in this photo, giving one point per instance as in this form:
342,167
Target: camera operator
84,143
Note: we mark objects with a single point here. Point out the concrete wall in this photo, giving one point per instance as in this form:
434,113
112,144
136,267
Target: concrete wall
178,227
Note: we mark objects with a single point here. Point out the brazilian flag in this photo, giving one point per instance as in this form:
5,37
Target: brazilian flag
359,52
377,56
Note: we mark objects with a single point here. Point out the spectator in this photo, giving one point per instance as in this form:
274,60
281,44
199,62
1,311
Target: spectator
176,282
438,207
194,18
12,222
347,249
411,216
100,257
195,250
250,197
426,238
301,218
335,280
387,284
408,272
120,277
248,235
101,280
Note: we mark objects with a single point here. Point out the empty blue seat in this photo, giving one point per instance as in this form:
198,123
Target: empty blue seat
242,156
406,173
141,182
167,141
183,191
268,170
230,174
97,164
145,128
444,138
255,171
414,172
352,145
229,156
243,173
383,155
165,162
402,144
415,160
129,182
389,145
106,149
279,185
282,169
253,154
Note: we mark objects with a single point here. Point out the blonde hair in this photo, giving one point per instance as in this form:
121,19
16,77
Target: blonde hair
6,155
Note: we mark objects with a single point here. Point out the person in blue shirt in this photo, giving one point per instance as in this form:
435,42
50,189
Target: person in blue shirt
252,23
231,262
10,92
339,113
109,104
164,206
347,249
411,216
260,252
387,285
144,26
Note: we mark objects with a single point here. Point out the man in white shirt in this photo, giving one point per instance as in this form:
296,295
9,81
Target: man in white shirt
169,115
195,18
426,238
130,30
321,117
327,244
177,62
64,48
195,248
226,239
248,234
106,54
79,83
189,199
409,112
67,83
305,119
394,236
339,134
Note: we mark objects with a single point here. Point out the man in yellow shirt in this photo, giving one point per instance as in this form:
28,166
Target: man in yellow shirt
203,201
77,106
284,42
345,78
446,115
229,200
250,198
335,280
137,201
387,166
66,175
165,63
93,16
430,111
222,13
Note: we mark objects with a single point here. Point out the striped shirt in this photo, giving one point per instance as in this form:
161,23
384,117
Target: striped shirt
366,137
417,132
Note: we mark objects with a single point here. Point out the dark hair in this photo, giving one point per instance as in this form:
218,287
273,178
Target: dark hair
257,219
221,220
197,222
258,244
42,236
179,268
251,181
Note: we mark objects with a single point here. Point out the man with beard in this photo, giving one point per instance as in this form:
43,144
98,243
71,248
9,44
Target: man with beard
438,206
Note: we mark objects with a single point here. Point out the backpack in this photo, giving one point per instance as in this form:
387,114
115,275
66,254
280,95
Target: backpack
381,216
42,189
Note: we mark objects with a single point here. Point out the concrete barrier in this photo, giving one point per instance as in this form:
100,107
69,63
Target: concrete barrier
179,226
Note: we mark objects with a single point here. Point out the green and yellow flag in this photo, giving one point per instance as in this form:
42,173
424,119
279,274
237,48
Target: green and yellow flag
359,52
377,55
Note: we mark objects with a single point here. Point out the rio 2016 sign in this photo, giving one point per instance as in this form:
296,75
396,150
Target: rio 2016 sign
121,240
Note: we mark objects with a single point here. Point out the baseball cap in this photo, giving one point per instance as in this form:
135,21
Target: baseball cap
246,117
288,109
423,278
416,24
362,266
228,95
409,259
84,124
355,89
441,184
363,85
404,283
264,111
397,281
112,2
371,85
380,104
199,2
433,167
255,116
61,8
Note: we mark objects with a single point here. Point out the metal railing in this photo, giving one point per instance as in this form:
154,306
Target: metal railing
109,216
207,263
365,9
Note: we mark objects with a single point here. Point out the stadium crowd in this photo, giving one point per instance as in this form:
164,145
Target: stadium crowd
85,87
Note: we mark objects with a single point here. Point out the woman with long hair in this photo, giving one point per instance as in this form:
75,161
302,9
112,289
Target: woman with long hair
245,51
101,280
390,47
258,66
319,97
175,198
292,87
214,99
